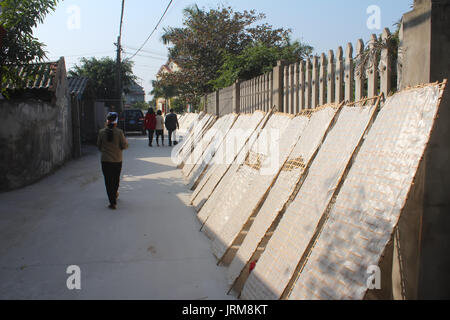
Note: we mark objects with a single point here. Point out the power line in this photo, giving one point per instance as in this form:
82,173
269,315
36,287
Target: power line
149,57
157,25
156,53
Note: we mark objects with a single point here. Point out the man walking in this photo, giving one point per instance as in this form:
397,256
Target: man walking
171,124
111,142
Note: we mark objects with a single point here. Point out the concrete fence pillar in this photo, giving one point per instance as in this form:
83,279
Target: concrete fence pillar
349,73
331,86
308,81
315,83
278,86
372,71
359,72
323,80
385,66
339,82
301,86
237,97
217,102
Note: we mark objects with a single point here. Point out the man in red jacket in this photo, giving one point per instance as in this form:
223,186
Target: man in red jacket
150,125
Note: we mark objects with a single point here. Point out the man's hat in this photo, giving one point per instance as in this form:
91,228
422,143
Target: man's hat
113,117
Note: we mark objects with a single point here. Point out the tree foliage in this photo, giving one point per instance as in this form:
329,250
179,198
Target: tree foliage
256,60
102,73
213,41
19,46
141,105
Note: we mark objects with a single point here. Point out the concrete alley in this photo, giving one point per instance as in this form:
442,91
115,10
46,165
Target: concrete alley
150,248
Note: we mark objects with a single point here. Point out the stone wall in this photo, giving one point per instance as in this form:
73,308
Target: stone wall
35,139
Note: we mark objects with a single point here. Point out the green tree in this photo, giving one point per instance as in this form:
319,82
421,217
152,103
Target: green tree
207,39
256,60
163,90
18,45
141,105
102,73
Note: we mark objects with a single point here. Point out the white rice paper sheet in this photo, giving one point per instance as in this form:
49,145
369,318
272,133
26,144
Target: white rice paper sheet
201,145
370,202
188,134
226,161
259,181
196,168
219,159
187,124
297,226
196,136
242,180
310,139
207,157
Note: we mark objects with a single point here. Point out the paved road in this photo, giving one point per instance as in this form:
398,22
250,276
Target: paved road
150,248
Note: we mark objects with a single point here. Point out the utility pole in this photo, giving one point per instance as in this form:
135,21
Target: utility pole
119,64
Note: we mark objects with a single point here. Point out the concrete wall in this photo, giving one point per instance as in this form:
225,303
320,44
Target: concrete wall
226,101
35,138
425,47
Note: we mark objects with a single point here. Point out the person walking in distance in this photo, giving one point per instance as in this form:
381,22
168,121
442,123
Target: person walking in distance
171,125
159,128
111,142
150,125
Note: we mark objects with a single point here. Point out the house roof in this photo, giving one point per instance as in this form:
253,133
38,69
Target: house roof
77,85
35,76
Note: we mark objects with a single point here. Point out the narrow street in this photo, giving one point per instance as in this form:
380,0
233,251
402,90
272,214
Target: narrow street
150,248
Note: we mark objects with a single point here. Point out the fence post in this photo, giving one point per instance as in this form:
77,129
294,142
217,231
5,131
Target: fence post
296,89
315,82
291,89
286,90
349,74
308,80
372,72
301,87
278,82
267,92
331,77
385,66
359,72
322,80
237,96
339,91
217,97
204,100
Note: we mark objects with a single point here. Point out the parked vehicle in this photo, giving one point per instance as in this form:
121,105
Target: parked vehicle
132,120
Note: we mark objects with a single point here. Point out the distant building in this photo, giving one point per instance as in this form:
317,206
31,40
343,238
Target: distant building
135,93
161,103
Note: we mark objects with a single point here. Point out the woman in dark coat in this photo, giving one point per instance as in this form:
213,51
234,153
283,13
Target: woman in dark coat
150,125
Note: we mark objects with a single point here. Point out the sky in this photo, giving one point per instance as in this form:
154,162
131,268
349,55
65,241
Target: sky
89,28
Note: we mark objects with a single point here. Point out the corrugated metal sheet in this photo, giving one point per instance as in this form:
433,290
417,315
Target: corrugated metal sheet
77,86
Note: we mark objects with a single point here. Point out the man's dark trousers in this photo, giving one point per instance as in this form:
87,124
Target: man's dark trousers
171,132
111,172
